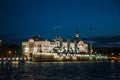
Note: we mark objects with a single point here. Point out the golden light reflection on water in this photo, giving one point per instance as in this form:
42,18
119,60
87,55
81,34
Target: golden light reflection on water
47,70
119,61
15,64
113,69
31,77
112,61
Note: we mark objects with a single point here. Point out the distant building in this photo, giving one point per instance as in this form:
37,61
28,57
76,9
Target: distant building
36,44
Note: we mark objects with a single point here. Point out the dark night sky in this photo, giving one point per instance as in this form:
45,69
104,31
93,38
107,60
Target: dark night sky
24,18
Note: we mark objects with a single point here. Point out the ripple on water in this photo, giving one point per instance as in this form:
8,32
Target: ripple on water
61,71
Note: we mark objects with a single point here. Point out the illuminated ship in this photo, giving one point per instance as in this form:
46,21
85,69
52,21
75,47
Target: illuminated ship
57,49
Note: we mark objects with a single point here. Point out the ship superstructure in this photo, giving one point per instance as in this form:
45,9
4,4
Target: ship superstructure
37,45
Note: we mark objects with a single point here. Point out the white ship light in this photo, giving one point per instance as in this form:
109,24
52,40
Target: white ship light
26,49
31,40
35,49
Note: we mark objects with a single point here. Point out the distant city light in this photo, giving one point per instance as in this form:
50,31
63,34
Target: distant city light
9,52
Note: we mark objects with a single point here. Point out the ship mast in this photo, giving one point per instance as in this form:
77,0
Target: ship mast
58,30
90,33
76,40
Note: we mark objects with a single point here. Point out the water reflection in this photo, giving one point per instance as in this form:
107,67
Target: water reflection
115,70
10,69
18,70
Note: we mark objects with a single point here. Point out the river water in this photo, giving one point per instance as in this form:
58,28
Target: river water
85,70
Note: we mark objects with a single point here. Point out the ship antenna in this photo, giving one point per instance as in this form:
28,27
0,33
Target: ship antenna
77,34
58,30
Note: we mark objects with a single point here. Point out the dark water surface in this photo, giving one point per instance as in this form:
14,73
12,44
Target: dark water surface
60,71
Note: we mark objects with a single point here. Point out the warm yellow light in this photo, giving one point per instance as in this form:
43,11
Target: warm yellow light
112,61
9,52
31,40
112,53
